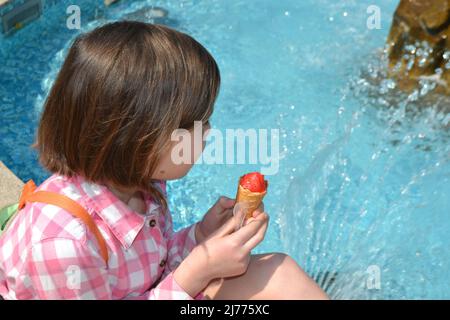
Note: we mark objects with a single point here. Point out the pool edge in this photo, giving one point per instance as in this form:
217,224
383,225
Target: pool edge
10,186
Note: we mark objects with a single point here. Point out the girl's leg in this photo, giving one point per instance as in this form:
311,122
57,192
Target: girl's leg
269,276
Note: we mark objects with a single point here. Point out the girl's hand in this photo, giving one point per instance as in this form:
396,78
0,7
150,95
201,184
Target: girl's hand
220,212
227,252
224,254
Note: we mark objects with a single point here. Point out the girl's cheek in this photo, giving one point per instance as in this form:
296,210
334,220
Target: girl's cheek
167,169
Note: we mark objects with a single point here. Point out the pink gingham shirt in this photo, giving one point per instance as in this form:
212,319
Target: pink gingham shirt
47,253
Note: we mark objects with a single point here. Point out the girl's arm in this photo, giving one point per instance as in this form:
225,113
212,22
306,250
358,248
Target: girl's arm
179,244
61,268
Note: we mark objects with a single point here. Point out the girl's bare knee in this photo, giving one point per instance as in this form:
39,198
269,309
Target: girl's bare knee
292,281
283,263
269,276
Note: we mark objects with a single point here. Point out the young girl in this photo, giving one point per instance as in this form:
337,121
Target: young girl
105,135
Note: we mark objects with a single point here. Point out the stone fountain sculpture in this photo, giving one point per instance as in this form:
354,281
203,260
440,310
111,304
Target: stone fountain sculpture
419,44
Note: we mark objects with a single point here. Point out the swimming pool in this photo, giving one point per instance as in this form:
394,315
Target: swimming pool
362,193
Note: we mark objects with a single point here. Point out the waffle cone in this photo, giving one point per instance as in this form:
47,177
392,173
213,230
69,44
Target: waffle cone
250,200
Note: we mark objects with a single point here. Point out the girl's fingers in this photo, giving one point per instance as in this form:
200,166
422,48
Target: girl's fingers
222,205
226,203
227,228
259,236
258,210
226,214
245,233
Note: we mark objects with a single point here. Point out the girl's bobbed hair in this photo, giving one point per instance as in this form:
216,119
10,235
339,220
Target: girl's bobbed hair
121,92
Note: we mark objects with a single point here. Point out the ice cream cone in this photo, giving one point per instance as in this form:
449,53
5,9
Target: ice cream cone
250,200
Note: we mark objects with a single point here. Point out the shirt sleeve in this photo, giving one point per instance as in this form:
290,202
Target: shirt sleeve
62,268
179,244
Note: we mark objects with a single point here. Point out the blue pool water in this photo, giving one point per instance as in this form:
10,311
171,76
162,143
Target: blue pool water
363,187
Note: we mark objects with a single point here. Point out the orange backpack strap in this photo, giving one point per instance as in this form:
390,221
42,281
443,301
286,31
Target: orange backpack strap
71,206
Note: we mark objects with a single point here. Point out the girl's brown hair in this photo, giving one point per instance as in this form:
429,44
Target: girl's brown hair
122,90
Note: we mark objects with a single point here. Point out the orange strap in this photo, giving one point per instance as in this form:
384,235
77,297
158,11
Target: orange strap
59,200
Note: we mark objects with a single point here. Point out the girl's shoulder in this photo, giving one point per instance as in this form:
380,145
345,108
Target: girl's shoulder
46,221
